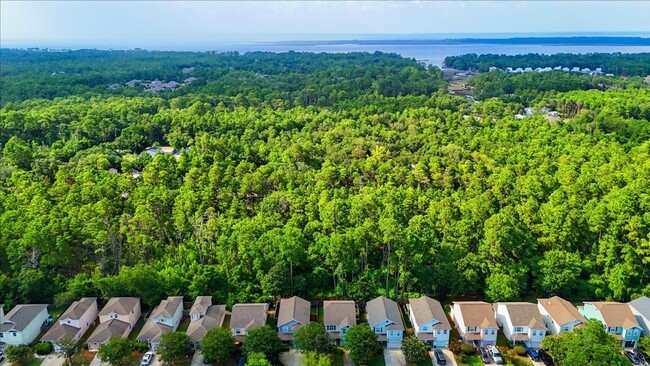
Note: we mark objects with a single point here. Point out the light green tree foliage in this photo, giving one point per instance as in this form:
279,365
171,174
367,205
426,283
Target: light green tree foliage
175,346
312,337
257,359
19,353
116,351
362,344
218,344
589,345
263,340
316,359
413,349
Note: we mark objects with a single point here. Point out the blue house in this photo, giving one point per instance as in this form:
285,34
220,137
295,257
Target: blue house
617,318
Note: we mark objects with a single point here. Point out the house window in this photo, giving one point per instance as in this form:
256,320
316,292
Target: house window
330,328
343,330
636,332
494,332
2,335
486,332
519,329
15,334
565,328
444,331
472,329
611,329
69,321
237,330
285,329
425,328
113,316
378,329
391,333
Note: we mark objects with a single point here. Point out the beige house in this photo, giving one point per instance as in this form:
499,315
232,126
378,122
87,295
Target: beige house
116,320
163,319
559,315
73,323
245,317
475,322
203,317
429,321
294,313
338,317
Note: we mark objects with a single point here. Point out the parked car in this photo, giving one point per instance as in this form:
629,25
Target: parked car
485,356
146,359
633,358
532,353
440,357
545,357
495,355
47,322
642,355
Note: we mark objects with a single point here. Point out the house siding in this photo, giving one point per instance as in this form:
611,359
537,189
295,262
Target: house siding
28,334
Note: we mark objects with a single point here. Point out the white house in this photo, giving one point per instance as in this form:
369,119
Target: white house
73,323
385,319
116,320
245,317
429,321
559,315
641,310
203,317
294,313
521,321
164,318
338,317
22,324
475,322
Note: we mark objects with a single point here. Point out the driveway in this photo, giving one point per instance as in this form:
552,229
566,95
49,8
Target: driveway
291,358
53,360
451,360
197,359
394,357
97,362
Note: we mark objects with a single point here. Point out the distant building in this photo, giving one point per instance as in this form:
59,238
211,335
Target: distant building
566,69
187,70
647,78
528,69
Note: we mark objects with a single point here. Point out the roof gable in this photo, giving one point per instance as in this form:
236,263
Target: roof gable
562,311
616,314
477,314
120,305
426,309
381,309
294,308
341,313
642,305
524,314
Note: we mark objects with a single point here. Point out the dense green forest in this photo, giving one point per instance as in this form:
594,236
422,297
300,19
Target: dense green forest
620,64
318,175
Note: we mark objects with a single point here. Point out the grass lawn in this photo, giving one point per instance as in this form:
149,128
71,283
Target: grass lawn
337,357
378,360
31,362
184,324
426,362
502,341
522,361
472,361
136,330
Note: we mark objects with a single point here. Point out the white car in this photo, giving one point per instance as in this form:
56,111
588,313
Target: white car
495,354
146,359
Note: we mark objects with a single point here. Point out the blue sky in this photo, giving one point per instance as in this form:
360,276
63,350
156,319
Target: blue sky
125,24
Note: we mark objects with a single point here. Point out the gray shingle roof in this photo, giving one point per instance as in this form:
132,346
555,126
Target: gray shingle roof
642,305
58,332
294,308
246,316
167,307
383,308
20,317
78,308
201,305
107,330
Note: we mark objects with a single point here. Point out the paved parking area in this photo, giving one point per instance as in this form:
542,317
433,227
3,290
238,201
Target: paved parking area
97,362
197,359
291,358
451,360
53,360
394,357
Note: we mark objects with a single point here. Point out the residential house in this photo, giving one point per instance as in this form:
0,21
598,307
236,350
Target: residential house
164,318
475,322
559,315
73,323
338,317
385,318
641,310
617,319
521,321
22,324
203,317
429,321
245,317
293,314
116,320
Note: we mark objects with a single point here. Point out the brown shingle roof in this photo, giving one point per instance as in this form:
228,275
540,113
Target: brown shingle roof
167,307
560,310
120,305
524,314
616,314
78,308
294,308
339,312
477,314
213,318
107,330
201,305
426,309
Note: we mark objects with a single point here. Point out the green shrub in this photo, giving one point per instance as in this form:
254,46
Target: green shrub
520,350
141,347
43,348
467,349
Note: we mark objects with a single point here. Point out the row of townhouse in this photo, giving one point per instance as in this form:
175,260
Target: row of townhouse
476,321
479,322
